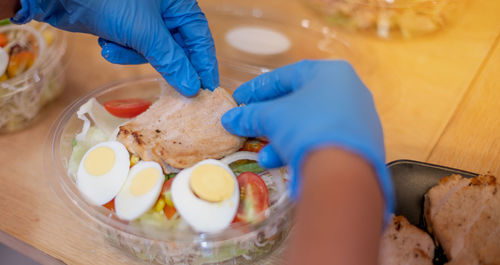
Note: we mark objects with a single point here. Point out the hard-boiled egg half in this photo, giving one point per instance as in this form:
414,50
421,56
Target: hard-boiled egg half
206,195
140,191
103,171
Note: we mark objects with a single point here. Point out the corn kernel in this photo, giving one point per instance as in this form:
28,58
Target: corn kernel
160,205
134,159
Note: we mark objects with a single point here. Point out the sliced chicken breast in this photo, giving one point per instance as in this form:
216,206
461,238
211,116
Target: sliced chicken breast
405,244
178,132
464,217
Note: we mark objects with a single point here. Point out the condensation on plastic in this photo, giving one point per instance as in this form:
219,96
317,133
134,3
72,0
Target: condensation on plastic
23,96
239,244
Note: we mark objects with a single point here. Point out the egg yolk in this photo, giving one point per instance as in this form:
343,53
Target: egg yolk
100,161
212,183
144,181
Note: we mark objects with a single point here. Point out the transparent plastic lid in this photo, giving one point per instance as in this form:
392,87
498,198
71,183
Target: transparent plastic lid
257,40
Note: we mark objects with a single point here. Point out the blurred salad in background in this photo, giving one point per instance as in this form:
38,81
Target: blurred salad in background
31,73
22,48
388,18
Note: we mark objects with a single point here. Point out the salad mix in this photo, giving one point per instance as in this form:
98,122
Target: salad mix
386,19
234,189
160,230
30,71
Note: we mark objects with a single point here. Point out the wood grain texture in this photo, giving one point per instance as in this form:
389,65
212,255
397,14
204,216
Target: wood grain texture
471,140
418,86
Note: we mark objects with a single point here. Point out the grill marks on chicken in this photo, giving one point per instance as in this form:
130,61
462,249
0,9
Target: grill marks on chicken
404,244
464,217
178,132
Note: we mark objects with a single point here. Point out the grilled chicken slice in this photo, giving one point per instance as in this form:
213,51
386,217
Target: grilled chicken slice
464,217
178,132
404,244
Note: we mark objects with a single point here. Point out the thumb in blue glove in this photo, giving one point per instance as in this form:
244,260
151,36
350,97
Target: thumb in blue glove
307,106
171,35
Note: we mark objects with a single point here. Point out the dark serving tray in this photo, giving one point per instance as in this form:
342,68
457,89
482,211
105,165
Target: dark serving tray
412,179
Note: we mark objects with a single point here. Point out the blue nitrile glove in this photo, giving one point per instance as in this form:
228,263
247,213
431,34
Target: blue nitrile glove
306,106
172,35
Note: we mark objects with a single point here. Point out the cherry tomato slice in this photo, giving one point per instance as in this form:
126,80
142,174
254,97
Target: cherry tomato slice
169,209
253,145
110,205
127,108
254,197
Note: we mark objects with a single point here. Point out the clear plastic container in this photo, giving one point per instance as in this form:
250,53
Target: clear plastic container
259,39
23,95
239,244
388,18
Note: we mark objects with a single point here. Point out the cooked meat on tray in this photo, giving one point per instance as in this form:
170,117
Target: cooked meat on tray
404,244
178,132
464,216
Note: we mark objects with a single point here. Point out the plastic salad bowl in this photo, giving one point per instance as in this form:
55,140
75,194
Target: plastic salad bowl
34,75
241,243
389,18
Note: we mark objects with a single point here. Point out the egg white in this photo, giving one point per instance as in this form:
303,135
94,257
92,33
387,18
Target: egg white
202,215
99,190
128,206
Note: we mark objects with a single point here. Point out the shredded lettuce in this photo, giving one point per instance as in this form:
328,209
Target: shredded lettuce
101,127
157,220
225,253
100,117
93,136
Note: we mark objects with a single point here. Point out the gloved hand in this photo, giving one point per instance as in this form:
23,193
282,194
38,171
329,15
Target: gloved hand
172,35
307,106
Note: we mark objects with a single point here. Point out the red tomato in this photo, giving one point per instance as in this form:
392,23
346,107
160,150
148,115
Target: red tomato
166,185
253,145
127,108
169,210
3,40
254,197
110,205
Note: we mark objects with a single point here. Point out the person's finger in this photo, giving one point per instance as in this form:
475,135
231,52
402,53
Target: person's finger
244,121
269,85
169,59
269,158
117,54
187,18
178,38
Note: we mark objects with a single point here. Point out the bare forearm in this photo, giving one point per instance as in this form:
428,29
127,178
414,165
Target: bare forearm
340,214
8,8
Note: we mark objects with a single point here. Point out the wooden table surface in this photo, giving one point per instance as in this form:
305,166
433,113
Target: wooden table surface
438,97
